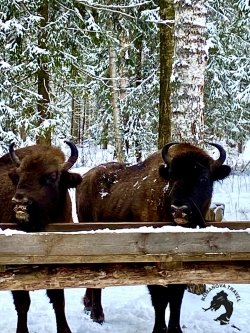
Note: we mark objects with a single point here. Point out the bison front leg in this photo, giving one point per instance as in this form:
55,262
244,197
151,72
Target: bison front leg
92,301
21,300
175,296
159,298
56,297
162,296
87,300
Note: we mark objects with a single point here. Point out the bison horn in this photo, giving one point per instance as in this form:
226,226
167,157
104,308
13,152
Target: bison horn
222,152
164,152
73,157
14,158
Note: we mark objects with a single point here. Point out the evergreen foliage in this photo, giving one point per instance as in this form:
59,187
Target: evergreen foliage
227,113
76,58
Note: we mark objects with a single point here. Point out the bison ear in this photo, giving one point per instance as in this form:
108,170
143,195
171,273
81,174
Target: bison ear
221,172
71,179
164,171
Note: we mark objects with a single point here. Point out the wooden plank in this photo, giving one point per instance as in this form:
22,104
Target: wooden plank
62,227
130,246
87,226
52,277
131,257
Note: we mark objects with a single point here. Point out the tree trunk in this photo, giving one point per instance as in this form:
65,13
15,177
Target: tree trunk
188,71
167,17
43,78
114,101
76,120
138,75
85,119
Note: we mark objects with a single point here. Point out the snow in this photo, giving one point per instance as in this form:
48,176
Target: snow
128,309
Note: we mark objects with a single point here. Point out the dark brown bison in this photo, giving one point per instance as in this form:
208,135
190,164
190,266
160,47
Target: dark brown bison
34,192
178,190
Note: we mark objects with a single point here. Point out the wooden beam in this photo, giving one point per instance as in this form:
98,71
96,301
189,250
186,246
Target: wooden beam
89,226
103,258
100,276
163,245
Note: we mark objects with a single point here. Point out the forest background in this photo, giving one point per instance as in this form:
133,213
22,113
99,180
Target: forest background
93,71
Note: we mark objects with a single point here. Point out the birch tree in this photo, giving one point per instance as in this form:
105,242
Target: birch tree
188,71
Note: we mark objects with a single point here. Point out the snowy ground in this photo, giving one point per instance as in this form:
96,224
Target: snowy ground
129,310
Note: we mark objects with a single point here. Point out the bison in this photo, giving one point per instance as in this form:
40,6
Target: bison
174,184
34,192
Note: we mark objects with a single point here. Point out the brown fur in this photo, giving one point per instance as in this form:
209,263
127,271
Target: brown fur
37,161
7,190
138,192
114,192
41,180
178,190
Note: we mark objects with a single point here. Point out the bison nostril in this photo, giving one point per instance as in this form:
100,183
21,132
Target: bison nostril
173,209
180,210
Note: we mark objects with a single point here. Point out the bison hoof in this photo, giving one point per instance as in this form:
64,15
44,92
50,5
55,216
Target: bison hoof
87,309
99,320
175,329
160,330
64,328
97,317
22,331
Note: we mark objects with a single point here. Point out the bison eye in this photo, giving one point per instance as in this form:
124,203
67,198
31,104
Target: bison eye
204,180
14,177
49,178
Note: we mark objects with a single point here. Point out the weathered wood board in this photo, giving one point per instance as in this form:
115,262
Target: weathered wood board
124,257
105,275
129,246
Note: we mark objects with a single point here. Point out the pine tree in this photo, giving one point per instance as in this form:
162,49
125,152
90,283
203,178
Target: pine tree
227,111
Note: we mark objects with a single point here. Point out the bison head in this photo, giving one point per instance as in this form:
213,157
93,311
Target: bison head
191,172
42,181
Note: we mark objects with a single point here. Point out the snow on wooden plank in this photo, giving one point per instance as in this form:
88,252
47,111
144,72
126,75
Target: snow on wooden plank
87,226
167,244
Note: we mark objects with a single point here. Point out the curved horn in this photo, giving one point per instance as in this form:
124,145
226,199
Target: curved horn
164,152
14,158
73,157
222,152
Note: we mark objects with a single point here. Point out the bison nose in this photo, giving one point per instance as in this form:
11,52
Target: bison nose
179,208
19,198
180,212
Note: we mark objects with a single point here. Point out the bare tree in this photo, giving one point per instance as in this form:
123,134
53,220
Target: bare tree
76,116
167,16
43,77
114,102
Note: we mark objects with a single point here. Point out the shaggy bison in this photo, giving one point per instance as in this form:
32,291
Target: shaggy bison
34,192
174,184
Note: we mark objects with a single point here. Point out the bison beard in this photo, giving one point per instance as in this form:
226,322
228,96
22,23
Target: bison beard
174,184
39,193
